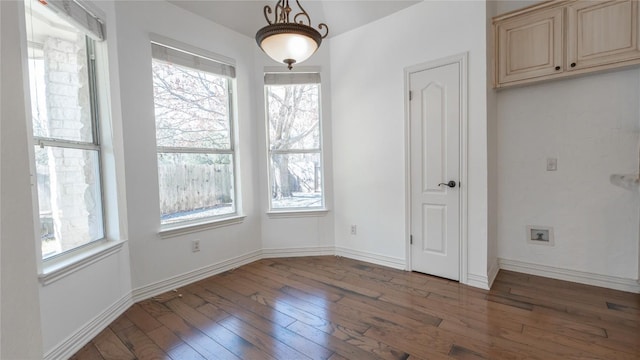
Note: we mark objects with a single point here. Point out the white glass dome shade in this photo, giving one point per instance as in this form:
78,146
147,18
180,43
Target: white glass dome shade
289,43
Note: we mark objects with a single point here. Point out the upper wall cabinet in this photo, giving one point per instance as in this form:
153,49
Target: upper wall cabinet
562,38
601,33
529,46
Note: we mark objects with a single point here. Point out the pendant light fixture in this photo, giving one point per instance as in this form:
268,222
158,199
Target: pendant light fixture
289,42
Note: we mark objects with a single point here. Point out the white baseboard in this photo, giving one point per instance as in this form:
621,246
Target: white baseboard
479,281
493,272
82,336
393,262
582,277
295,252
187,278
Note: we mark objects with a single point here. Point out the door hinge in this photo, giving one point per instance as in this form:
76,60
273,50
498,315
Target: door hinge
411,239
410,95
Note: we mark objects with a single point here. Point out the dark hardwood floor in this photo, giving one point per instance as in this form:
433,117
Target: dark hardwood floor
338,308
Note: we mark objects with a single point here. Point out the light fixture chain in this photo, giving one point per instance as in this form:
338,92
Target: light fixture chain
284,8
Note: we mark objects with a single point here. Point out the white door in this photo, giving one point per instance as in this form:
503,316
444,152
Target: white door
435,118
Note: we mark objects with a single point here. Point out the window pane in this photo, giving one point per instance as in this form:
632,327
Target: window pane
59,77
191,107
69,197
294,118
195,186
296,181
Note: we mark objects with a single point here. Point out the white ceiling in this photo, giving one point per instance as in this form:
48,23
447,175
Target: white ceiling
246,16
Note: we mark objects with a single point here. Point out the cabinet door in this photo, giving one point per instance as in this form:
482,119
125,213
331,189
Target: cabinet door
529,45
601,33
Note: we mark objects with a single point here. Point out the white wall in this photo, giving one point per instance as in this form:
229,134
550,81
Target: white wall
154,259
592,125
1,191
492,151
20,307
72,302
368,124
295,235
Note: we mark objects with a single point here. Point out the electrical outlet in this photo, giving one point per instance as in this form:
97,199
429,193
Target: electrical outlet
552,164
195,245
354,229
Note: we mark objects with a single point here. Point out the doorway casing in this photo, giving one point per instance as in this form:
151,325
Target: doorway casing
462,61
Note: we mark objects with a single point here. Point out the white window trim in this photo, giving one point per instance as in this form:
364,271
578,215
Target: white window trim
297,213
60,265
236,217
168,42
94,145
170,231
58,268
299,73
78,14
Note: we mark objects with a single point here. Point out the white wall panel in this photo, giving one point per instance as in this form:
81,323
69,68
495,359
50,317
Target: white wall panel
368,122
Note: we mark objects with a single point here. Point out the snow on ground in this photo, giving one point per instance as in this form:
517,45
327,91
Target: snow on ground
297,201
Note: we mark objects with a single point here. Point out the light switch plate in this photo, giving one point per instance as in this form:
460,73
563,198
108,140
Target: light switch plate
552,164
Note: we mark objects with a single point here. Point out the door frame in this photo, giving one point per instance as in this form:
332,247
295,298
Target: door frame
462,60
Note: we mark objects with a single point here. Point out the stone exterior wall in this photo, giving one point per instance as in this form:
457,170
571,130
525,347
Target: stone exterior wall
72,178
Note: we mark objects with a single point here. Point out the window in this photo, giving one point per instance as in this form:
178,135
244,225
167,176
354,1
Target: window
65,125
294,141
194,135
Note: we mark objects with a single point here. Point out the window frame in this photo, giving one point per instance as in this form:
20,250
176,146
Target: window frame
177,228
304,76
67,256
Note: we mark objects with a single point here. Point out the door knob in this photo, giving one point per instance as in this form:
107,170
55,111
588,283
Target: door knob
450,184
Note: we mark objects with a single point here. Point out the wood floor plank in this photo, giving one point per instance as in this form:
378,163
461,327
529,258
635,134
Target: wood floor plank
165,338
173,345
122,322
184,352
88,352
261,322
337,357
140,344
265,296
598,309
142,319
235,344
326,307
219,292
322,303
275,275
110,346
334,343
301,309
201,343
269,343
344,286
379,348
572,348
154,308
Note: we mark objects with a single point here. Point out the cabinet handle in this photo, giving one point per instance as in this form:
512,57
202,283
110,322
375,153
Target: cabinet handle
557,68
573,64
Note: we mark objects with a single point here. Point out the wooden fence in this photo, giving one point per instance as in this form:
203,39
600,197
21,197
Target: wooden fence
188,187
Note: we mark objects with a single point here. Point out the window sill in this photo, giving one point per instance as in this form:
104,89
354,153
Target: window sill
57,270
182,229
297,213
